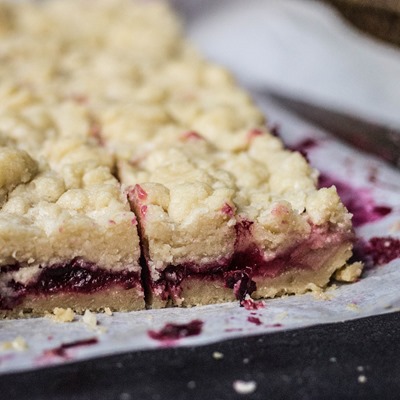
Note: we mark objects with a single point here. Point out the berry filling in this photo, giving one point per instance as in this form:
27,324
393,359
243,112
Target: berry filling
241,271
76,276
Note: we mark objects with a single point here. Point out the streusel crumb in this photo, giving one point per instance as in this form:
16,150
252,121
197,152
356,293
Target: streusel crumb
18,344
62,314
349,273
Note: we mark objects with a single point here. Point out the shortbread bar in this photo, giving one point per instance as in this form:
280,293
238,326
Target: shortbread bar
68,236
133,171
217,225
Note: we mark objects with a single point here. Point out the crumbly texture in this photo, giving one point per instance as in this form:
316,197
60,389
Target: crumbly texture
349,273
62,315
89,319
115,105
261,198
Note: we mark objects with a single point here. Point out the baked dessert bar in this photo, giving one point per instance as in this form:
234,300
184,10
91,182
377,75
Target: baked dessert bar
217,225
132,168
68,238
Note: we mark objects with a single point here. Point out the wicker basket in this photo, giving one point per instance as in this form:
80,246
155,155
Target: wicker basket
380,18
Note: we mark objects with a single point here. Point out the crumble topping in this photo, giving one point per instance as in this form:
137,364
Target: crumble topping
63,191
16,167
80,115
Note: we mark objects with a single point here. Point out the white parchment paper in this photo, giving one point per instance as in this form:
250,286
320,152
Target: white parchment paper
300,47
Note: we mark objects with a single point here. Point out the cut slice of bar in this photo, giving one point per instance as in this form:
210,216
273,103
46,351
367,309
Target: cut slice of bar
68,238
185,210
217,225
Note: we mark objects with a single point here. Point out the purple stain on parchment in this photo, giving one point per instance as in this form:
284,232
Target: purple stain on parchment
172,332
61,352
357,200
377,250
254,320
304,146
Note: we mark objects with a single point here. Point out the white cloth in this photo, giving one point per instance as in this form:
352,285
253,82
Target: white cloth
301,47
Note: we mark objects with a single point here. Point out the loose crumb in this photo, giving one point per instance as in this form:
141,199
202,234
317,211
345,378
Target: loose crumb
333,359
331,288
18,344
217,355
90,319
281,316
362,379
245,360
360,368
244,387
62,315
322,295
108,311
349,273
314,289
353,307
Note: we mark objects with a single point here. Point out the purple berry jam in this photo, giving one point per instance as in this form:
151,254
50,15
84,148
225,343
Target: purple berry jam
241,283
77,276
250,304
61,351
378,250
247,263
177,331
304,146
254,320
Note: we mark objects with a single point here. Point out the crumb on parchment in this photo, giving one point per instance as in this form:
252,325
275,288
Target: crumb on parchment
62,315
90,319
18,344
107,311
353,307
281,316
322,295
349,273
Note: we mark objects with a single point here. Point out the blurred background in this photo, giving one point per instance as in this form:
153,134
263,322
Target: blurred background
342,54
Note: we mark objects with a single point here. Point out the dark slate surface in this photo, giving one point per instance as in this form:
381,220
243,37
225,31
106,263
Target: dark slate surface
321,362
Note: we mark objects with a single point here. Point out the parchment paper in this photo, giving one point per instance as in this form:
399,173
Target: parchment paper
335,81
